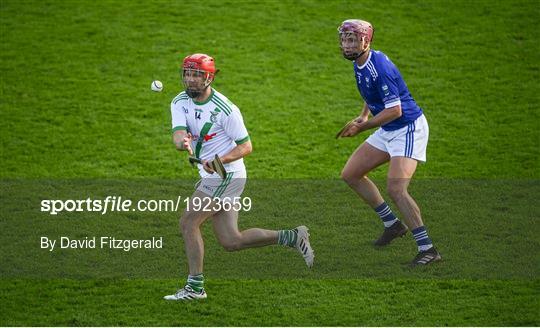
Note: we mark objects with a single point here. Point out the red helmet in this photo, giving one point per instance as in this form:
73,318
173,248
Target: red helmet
354,47
200,62
202,65
359,27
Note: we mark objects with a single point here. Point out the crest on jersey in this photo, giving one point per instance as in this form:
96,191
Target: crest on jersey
213,117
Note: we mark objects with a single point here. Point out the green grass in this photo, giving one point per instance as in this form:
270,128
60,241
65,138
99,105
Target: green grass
79,120
285,303
76,97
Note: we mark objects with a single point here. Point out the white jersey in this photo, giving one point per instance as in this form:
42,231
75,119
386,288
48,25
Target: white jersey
216,125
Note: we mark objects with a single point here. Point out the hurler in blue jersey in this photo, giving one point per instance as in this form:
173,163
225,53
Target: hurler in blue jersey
401,138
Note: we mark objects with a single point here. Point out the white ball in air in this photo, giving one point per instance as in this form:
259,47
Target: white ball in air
156,86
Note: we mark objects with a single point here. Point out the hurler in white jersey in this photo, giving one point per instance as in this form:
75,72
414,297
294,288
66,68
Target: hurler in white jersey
205,124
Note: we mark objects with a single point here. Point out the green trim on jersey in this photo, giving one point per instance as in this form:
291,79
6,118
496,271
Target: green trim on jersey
204,131
181,96
206,101
176,128
243,140
221,104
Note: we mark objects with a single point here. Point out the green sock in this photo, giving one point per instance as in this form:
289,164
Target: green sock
196,282
287,237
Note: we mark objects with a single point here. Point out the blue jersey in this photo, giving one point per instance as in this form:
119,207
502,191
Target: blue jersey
382,86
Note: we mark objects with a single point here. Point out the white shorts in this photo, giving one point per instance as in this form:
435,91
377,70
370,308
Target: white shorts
225,189
409,141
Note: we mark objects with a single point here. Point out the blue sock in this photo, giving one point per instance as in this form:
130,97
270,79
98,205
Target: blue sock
422,239
386,215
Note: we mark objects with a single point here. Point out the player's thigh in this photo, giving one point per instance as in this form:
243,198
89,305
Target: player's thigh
364,159
402,167
225,225
400,172
200,207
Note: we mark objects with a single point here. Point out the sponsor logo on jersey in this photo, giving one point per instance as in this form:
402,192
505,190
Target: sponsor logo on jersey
185,109
209,136
385,90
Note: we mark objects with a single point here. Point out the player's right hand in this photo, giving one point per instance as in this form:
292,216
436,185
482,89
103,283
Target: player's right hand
351,131
187,143
354,128
207,167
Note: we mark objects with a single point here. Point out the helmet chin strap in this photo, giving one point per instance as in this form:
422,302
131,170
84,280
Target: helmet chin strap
355,56
362,53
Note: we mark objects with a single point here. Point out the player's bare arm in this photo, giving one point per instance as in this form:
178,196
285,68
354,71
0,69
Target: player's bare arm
182,141
238,152
386,116
364,114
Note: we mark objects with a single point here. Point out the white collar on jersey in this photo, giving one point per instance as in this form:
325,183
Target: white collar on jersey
367,61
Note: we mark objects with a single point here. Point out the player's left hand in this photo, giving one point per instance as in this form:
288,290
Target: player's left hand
187,143
207,168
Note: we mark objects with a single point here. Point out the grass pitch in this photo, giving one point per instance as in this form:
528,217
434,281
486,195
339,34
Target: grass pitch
78,116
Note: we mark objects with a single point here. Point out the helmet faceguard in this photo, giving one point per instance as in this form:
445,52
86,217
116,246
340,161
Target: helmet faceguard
355,37
198,72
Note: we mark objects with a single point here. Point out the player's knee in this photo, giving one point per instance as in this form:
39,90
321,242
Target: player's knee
348,176
351,178
345,176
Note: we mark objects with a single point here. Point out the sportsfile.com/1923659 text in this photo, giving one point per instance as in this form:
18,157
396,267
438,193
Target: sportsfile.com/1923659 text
111,204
